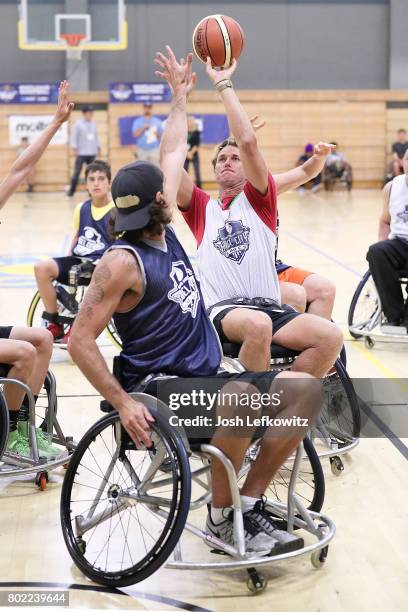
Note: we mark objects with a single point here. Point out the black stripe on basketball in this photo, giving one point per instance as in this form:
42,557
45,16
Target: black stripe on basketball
222,37
206,42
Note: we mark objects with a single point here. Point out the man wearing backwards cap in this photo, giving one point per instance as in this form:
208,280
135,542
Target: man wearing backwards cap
146,282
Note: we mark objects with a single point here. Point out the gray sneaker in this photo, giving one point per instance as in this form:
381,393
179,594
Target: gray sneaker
265,522
256,539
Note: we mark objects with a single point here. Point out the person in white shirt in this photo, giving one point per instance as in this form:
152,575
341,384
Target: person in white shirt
388,258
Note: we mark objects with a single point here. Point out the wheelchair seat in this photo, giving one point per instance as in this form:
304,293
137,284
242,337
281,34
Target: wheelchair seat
231,349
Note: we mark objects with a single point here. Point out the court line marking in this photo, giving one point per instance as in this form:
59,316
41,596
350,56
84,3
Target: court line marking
175,603
390,435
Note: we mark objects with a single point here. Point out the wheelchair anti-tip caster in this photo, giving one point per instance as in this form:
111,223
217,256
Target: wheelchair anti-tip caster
41,480
336,465
318,557
256,583
369,342
81,545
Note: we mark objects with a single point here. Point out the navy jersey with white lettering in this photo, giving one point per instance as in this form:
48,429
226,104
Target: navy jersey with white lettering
93,234
168,331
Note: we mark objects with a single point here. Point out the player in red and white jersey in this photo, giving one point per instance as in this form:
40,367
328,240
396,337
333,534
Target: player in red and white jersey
236,237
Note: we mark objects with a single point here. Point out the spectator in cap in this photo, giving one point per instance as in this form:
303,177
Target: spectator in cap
85,145
148,131
316,183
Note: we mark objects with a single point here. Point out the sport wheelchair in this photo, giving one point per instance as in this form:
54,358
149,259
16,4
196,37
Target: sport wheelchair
69,298
338,425
365,315
44,413
124,511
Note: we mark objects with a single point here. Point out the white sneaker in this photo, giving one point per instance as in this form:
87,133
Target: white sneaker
265,521
394,330
256,540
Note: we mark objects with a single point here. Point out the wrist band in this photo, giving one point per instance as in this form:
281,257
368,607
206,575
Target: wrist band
224,84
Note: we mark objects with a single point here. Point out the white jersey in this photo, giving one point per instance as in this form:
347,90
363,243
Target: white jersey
398,208
236,243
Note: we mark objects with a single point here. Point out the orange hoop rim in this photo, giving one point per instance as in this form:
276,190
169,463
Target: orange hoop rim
73,40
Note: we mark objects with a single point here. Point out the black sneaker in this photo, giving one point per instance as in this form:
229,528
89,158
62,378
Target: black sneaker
266,522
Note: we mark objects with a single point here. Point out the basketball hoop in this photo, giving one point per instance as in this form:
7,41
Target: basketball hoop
73,45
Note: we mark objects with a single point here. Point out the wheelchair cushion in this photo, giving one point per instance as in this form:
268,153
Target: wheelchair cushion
231,349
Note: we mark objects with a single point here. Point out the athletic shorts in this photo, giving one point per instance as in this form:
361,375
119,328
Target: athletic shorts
279,315
5,332
151,385
294,275
64,265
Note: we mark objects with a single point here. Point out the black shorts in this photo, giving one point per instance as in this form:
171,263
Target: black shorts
5,332
64,265
279,315
158,386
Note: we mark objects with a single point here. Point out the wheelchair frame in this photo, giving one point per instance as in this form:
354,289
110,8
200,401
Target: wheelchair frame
15,465
76,291
295,515
370,328
329,436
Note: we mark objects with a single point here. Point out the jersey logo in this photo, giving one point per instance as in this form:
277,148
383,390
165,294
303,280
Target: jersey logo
90,242
232,241
185,291
403,215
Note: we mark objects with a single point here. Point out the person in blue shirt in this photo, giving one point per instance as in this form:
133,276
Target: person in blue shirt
148,131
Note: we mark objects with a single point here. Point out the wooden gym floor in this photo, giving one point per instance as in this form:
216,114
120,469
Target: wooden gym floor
367,565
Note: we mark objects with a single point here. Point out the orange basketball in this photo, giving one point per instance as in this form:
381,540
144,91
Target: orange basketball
219,37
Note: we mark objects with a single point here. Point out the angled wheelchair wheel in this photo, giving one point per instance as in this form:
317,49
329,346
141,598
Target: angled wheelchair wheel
341,415
113,335
364,305
310,485
4,424
121,515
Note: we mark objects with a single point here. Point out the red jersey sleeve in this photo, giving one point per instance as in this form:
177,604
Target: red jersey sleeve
195,215
265,206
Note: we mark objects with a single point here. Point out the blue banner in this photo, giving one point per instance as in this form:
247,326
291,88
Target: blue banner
126,93
213,128
28,93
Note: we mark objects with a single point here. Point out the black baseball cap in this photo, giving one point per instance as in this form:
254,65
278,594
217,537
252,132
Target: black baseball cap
134,190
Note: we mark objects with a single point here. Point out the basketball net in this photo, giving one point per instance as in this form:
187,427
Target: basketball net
73,45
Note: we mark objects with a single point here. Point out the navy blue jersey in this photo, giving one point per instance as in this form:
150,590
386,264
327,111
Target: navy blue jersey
93,235
280,266
168,331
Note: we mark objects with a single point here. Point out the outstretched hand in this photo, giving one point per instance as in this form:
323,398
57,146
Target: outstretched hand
64,106
323,149
220,75
179,75
257,125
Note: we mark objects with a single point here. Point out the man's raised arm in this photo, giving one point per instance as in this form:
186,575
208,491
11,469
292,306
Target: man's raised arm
173,146
252,159
26,162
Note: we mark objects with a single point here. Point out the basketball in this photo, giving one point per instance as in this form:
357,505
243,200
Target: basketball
219,37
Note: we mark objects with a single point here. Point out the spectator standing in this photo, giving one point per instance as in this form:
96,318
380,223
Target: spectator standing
193,141
148,131
85,145
398,151
24,144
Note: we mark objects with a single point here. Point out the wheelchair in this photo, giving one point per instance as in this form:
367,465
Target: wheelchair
365,315
124,511
338,426
44,413
69,298
333,174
